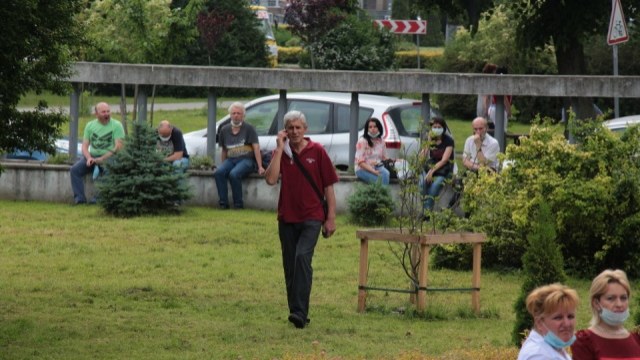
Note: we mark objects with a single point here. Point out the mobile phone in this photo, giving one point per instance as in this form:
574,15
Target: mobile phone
325,233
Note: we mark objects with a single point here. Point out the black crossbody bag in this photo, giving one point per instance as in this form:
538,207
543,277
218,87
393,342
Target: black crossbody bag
325,206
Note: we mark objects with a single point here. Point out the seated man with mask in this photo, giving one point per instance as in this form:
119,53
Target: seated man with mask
171,143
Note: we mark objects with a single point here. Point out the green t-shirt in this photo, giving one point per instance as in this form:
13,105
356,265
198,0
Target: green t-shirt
102,138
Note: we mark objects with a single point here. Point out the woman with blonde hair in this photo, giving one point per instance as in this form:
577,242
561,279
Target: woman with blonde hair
553,308
607,337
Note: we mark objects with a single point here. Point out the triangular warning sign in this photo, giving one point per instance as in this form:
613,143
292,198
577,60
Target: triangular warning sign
617,26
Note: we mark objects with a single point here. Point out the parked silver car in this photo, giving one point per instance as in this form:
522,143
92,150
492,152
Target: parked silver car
328,115
622,123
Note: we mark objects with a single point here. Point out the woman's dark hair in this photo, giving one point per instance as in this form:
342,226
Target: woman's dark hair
366,129
440,121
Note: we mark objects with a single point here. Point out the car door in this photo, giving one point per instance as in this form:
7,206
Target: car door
318,115
341,127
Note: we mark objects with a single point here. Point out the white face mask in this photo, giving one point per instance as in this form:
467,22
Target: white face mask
372,135
165,138
236,123
437,131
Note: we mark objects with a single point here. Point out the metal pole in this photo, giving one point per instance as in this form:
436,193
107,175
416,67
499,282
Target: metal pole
353,129
282,108
212,109
74,115
616,100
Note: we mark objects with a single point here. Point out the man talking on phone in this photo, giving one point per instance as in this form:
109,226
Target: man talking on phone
307,176
480,149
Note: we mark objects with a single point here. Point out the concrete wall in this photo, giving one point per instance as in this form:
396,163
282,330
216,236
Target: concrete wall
32,180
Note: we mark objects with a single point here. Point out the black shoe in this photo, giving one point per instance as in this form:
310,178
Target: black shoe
298,321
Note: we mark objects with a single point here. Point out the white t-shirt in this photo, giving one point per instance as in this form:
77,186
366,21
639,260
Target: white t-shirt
490,150
535,348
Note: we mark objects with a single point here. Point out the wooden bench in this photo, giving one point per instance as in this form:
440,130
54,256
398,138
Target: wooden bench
425,242
508,136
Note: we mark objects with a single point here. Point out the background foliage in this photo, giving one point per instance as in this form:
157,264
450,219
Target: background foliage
592,188
371,204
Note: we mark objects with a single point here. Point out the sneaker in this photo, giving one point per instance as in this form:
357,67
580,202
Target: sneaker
298,321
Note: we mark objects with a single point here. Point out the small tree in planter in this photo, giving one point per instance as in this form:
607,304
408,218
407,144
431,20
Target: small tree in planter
542,264
138,181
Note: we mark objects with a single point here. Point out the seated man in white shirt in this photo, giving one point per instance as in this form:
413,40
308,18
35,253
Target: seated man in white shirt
480,149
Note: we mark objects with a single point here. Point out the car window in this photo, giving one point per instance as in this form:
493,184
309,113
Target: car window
317,114
407,119
261,116
344,118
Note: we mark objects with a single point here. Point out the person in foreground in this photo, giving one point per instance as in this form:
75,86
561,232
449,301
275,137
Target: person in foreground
103,137
439,163
553,309
301,213
607,337
370,151
480,149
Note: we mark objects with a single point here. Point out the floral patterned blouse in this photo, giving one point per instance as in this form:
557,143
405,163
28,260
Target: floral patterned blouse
371,155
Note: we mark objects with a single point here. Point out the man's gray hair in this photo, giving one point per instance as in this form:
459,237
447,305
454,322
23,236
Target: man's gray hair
294,115
237,105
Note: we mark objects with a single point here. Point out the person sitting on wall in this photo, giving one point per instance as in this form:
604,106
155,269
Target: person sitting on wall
171,142
102,139
240,156
370,152
439,164
480,149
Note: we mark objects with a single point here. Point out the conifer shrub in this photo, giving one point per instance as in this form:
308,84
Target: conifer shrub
371,204
138,181
542,264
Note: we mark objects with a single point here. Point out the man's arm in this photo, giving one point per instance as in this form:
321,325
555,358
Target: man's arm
177,155
119,144
258,155
330,222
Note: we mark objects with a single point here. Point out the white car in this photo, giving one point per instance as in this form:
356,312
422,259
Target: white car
622,123
328,115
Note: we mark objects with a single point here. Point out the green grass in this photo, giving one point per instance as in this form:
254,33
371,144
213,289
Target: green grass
78,284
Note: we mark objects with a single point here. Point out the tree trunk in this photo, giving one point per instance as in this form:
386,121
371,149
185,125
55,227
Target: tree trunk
570,59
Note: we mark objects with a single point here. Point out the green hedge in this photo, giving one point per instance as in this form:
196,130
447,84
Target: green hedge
404,59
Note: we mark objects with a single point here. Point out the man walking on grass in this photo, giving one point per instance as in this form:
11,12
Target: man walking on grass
301,212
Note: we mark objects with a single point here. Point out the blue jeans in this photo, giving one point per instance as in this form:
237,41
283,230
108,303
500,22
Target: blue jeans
371,178
431,190
181,165
77,174
233,170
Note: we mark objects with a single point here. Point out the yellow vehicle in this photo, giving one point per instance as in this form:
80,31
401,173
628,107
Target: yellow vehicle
265,26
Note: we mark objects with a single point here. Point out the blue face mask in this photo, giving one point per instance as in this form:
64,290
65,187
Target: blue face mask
614,318
555,342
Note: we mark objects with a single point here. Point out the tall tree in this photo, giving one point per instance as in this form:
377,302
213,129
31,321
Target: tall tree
37,42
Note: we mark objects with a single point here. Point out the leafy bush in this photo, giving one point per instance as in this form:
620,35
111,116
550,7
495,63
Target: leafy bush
593,189
200,163
409,59
138,181
354,45
58,159
289,55
370,204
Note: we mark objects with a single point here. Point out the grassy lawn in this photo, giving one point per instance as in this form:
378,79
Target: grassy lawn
77,284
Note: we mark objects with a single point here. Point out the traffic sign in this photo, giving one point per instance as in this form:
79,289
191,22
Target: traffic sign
404,26
617,26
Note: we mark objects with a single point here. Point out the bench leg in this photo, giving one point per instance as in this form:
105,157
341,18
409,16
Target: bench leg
362,277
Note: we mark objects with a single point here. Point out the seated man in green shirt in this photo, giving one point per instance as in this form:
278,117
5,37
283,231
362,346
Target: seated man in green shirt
102,138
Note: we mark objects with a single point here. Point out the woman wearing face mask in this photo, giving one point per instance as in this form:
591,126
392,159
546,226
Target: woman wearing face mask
607,337
553,308
370,151
439,164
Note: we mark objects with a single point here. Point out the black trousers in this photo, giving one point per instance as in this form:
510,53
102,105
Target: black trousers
298,242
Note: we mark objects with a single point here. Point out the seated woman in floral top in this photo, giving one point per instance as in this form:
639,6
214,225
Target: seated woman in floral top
370,151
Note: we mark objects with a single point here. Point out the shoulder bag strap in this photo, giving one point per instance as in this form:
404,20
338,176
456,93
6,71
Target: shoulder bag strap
307,176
